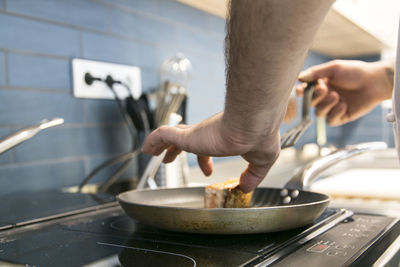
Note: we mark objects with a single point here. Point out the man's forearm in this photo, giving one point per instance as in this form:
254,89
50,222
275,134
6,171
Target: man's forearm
389,71
267,42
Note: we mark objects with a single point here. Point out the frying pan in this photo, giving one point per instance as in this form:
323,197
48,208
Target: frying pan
271,210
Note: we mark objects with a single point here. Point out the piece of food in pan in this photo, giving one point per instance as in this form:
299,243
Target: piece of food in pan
226,195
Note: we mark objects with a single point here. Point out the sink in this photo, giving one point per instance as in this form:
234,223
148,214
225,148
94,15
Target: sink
362,182
368,183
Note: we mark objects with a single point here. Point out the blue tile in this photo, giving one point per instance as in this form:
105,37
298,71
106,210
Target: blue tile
314,58
80,13
2,70
370,58
217,67
6,156
205,99
117,50
141,27
351,133
138,5
107,48
150,79
200,41
202,65
216,24
130,173
102,111
29,107
352,140
35,177
38,72
182,13
61,142
29,35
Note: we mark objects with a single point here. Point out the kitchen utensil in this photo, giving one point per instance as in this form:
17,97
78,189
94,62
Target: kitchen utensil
272,209
290,137
182,209
27,133
174,78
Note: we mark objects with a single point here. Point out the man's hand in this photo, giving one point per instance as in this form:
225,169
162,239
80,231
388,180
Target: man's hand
266,44
348,89
213,137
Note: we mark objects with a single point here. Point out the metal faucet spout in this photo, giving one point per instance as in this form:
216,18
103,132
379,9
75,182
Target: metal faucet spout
306,176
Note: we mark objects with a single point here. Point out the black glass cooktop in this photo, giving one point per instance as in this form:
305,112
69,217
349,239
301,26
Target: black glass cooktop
29,207
109,238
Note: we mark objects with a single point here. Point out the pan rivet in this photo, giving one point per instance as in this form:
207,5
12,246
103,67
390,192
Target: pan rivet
295,193
284,192
286,200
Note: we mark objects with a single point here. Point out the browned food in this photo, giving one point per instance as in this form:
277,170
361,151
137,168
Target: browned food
226,195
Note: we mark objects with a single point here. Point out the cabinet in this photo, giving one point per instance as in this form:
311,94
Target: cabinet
352,28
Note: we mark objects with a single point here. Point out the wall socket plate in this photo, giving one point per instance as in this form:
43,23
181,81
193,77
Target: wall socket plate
130,75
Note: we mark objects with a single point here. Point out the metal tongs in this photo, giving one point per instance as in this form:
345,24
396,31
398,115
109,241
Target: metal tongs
290,137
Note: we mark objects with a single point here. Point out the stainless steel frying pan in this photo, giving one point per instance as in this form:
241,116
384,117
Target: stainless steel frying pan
272,209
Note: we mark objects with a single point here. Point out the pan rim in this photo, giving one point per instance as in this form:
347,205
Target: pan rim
120,200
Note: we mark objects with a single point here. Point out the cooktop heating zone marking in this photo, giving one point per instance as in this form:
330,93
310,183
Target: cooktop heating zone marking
151,250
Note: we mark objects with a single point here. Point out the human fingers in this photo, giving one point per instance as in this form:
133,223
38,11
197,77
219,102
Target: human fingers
206,164
335,116
320,92
300,89
161,138
326,104
325,70
172,153
183,126
252,177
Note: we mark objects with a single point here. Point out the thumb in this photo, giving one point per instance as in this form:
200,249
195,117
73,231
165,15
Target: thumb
252,177
326,70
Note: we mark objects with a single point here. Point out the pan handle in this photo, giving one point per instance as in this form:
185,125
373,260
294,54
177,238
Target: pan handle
306,176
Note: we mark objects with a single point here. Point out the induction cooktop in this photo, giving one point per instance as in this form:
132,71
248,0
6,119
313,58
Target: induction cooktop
107,237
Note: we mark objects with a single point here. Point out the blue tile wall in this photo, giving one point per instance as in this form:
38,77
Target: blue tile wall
69,12
101,111
131,173
150,79
200,41
124,51
38,72
144,6
2,70
36,36
215,24
63,142
26,107
182,14
40,176
5,157
141,27
36,47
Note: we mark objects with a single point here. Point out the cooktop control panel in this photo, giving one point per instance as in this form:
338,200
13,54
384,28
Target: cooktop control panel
343,244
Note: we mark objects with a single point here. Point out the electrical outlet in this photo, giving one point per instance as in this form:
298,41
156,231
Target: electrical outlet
129,75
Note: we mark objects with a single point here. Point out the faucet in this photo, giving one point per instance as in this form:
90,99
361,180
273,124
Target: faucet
27,133
309,173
